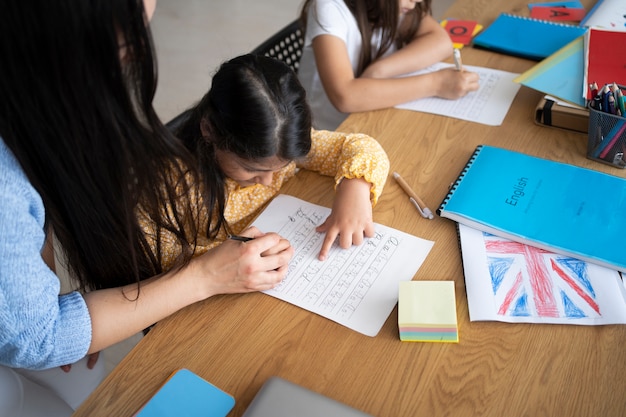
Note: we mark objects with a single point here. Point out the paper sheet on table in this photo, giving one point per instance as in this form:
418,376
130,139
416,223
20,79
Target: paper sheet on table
609,14
511,282
356,287
488,105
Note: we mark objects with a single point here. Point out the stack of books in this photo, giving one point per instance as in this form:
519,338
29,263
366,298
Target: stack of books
551,236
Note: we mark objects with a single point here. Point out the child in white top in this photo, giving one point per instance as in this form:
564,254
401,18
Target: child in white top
342,77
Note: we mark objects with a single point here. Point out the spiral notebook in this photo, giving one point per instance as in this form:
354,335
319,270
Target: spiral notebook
527,37
562,208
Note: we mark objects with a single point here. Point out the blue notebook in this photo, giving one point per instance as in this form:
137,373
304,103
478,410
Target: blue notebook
526,37
559,207
187,394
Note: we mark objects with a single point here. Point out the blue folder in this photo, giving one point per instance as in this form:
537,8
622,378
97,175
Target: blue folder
526,37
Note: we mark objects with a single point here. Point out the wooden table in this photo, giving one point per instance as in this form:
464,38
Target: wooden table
498,369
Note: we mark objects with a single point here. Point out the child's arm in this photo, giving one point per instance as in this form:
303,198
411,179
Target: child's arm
347,156
349,94
430,45
360,167
350,218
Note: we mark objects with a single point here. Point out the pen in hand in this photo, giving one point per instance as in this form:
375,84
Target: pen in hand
457,59
417,202
240,238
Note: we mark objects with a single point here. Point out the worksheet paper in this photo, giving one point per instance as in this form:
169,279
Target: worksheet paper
516,283
608,14
355,287
488,105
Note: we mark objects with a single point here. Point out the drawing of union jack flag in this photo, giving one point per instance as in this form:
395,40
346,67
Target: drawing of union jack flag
531,282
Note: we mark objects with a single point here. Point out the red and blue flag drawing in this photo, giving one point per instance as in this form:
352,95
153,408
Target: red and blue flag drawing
532,282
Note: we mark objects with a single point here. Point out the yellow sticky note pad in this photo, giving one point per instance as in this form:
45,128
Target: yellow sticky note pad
427,312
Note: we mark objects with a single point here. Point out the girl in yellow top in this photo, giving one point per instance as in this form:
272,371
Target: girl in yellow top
252,132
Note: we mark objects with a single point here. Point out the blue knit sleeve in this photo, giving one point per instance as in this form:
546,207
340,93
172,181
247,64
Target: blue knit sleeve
38,328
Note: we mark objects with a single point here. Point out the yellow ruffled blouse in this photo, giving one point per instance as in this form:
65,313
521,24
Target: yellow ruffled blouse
342,155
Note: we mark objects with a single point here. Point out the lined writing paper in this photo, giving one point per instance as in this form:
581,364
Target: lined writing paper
488,105
355,287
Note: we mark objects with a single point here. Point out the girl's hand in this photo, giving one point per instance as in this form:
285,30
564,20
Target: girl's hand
350,218
239,267
454,84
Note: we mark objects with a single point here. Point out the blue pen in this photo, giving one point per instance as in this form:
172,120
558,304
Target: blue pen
611,104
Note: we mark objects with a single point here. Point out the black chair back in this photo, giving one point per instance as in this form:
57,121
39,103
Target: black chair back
286,45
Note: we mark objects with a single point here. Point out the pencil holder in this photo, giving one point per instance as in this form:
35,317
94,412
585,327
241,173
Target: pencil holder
607,138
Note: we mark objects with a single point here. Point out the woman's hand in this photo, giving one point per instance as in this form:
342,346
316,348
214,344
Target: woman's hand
350,218
232,267
237,267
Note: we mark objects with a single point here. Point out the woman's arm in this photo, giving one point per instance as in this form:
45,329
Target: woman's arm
233,267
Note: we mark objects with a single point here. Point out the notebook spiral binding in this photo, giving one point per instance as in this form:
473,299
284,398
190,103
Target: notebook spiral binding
534,19
456,183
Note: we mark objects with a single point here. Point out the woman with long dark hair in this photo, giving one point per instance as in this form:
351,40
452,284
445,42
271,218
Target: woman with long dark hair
81,151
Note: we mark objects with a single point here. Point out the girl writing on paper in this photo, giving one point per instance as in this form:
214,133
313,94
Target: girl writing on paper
252,132
357,54
81,148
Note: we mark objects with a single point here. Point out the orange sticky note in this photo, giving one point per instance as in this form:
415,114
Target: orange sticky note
460,31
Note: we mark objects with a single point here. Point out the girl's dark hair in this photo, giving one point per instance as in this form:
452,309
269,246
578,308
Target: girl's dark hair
256,108
77,81
380,14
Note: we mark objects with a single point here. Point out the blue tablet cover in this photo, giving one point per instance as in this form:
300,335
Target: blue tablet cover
187,394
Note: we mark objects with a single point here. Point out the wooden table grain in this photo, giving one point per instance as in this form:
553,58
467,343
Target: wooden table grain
238,341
